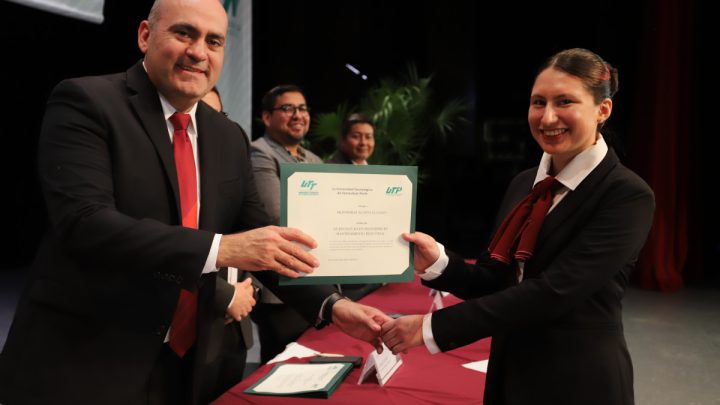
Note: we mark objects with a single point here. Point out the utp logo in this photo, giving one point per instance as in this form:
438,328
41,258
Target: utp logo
308,184
393,190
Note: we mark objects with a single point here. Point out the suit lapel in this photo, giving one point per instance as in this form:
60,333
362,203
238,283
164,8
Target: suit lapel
145,102
208,152
572,203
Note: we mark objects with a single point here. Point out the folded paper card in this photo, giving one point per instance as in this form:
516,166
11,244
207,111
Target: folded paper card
480,366
384,365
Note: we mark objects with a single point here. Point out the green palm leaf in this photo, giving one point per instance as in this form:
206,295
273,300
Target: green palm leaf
405,117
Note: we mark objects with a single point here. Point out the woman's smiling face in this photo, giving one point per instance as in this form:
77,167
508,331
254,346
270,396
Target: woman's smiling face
563,116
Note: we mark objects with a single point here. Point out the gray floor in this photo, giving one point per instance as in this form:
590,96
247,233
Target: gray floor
674,340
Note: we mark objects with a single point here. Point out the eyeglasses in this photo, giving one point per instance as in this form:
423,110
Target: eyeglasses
290,109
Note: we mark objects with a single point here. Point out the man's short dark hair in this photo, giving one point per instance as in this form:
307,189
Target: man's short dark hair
352,119
269,99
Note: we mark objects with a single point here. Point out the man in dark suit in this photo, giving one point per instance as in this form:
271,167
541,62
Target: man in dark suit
93,323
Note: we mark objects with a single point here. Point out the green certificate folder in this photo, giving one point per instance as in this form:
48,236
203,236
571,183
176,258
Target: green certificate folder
357,215
301,380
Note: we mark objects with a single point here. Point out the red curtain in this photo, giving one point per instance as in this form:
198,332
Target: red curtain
661,138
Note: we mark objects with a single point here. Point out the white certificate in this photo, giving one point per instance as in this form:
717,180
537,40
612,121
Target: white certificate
357,215
311,380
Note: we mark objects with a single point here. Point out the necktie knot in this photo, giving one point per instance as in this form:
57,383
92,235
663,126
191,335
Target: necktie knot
180,121
548,184
518,233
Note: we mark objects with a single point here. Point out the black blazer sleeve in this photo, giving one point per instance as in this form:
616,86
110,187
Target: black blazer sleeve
468,281
591,248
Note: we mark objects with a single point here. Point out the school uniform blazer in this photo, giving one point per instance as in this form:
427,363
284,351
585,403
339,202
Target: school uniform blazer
557,337
102,292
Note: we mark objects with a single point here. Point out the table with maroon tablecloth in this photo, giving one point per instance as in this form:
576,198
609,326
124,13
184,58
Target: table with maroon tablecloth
423,377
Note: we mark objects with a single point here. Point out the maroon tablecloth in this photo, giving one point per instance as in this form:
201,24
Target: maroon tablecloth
423,378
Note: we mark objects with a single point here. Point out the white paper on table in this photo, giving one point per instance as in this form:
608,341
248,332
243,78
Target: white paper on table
294,349
480,366
292,378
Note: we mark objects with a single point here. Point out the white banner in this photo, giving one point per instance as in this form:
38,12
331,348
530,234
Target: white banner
87,10
235,84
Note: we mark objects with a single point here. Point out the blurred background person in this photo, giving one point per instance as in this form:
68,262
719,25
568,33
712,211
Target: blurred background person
357,141
355,146
286,117
212,98
238,336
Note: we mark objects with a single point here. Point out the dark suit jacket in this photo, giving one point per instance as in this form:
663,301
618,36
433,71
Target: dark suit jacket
103,289
339,158
557,337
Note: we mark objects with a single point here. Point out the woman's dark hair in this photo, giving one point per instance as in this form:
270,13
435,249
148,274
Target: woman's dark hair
598,76
353,119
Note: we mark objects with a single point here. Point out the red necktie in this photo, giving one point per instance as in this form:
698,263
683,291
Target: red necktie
519,231
184,322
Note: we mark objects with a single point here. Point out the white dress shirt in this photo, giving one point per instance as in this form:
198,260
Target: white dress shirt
168,111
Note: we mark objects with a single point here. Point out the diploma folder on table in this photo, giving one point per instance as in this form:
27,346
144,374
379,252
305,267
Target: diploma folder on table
357,215
301,380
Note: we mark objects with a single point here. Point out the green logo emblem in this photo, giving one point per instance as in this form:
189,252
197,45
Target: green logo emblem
393,190
308,184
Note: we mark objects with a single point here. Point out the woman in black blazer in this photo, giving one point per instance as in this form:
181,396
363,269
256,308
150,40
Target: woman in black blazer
549,288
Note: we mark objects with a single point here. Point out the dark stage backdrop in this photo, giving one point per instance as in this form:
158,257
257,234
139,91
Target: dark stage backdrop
486,54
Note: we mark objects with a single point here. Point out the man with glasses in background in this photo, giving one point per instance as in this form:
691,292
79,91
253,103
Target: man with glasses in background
287,120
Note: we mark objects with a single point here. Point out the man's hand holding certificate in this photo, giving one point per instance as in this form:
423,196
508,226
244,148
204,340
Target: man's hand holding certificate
357,215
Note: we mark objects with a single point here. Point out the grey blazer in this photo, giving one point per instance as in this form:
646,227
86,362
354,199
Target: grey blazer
266,156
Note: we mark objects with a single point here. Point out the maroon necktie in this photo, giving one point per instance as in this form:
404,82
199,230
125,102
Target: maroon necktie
184,322
519,231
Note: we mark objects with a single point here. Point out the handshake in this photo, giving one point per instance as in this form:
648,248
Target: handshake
278,249
375,327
